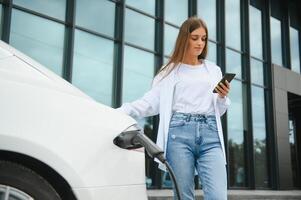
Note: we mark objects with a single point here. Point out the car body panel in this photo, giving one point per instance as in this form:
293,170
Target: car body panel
131,192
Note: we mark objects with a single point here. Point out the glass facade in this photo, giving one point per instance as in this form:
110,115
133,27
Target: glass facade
236,135
42,39
258,78
295,50
233,28
256,46
294,36
146,6
112,49
255,32
140,22
103,11
259,137
276,42
236,114
93,66
138,73
176,13
212,52
207,11
53,8
233,63
257,72
170,36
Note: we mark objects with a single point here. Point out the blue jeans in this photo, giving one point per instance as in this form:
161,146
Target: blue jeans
193,143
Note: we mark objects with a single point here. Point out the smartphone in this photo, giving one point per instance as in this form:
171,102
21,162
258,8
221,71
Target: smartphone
228,77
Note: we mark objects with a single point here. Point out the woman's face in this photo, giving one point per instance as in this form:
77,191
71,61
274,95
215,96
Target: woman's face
197,42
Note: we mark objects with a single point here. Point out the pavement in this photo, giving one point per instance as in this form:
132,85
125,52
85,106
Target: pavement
235,194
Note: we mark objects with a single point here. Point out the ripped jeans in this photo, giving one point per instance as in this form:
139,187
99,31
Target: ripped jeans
193,143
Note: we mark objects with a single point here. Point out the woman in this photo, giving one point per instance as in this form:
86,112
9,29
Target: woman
190,131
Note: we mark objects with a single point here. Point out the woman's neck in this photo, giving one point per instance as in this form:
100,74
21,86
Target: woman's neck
191,61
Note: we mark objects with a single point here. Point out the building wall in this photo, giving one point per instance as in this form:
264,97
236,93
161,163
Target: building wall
284,81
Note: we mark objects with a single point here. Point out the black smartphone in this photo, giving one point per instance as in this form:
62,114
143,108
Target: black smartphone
228,77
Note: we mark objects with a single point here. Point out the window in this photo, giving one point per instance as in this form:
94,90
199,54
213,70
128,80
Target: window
236,120
276,46
176,12
53,8
96,15
146,6
93,66
42,39
233,24
170,37
211,52
233,63
259,137
255,32
295,51
257,72
140,22
138,73
207,11
294,31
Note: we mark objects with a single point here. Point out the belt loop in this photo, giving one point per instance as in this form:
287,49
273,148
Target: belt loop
188,116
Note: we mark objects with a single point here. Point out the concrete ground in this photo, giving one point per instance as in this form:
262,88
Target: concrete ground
235,194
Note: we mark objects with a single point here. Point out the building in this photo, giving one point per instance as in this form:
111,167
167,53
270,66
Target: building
111,49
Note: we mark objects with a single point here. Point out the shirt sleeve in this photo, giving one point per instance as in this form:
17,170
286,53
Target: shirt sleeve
147,105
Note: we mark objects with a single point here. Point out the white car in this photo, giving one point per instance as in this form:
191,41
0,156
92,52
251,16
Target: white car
56,143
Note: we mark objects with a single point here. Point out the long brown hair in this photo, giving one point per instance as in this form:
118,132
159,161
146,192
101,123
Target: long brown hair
180,48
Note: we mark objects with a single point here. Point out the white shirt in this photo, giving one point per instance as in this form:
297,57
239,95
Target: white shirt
193,92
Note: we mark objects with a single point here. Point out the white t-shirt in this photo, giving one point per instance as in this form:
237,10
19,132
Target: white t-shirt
192,92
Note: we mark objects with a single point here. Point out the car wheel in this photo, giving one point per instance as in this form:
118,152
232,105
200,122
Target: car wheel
19,183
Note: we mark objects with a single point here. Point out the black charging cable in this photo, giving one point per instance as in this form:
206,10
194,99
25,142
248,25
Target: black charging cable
173,179
136,139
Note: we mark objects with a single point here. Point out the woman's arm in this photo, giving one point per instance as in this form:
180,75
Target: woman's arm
148,105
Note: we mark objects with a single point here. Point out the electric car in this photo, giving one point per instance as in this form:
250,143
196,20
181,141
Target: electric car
57,143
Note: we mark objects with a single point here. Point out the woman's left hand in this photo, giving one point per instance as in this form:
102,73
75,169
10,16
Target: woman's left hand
222,89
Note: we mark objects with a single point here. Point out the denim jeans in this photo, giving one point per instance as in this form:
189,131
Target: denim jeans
193,143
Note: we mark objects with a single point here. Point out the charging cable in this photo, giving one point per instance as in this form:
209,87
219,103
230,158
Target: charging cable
133,139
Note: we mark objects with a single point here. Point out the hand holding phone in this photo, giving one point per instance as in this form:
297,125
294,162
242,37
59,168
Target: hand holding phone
228,77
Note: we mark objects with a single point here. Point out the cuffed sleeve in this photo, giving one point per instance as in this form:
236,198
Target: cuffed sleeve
222,104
